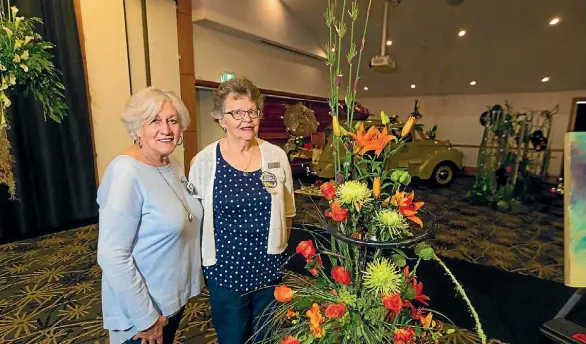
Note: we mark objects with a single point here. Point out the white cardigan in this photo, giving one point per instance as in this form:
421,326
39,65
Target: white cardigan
274,160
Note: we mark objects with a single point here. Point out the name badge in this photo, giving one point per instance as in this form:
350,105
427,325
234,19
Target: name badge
189,186
274,164
268,179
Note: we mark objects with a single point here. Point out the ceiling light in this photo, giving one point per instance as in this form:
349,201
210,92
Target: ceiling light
554,21
472,83
365,88
462,33
389,42
546,79
413,86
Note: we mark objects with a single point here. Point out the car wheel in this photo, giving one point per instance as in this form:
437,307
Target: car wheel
443,174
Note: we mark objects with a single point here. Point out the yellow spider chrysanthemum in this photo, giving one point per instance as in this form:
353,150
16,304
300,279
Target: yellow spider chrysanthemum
392,224
353,192
382,277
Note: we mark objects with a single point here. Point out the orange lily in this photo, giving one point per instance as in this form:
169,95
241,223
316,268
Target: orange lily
376,187
408,127
427,321
407,207
336,126
373,139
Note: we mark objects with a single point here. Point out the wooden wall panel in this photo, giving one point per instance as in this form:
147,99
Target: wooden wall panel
187,77
78,20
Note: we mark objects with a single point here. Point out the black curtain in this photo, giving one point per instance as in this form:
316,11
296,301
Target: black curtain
54,169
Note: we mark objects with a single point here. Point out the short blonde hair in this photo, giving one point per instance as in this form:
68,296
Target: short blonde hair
146,104
239,86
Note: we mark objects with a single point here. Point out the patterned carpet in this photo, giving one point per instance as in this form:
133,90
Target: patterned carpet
530,244
50,286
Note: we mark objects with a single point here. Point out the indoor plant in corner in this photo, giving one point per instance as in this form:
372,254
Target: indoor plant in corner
25,67
372,293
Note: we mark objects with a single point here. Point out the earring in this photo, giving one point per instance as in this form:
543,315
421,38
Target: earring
180,141
137,142
224,128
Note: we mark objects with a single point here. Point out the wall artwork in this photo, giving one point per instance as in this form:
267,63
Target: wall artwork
574,214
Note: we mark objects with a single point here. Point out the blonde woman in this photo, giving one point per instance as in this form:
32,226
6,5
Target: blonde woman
149,243
247,193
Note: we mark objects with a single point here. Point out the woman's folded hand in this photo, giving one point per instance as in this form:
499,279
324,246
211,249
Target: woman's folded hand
154,334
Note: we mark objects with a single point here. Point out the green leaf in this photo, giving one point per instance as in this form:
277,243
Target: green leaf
399,260
303,304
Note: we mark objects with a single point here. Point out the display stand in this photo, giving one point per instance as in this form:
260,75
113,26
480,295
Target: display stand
561,330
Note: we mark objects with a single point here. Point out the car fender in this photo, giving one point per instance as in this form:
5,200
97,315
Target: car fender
433,159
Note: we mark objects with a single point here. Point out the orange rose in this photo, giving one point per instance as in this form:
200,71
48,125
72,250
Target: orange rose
314,264
283,293
341,275
335,311
328,190
336,212
306,249
290,340
393,303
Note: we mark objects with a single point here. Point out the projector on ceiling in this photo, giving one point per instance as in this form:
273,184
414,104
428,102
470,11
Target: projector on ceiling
383,64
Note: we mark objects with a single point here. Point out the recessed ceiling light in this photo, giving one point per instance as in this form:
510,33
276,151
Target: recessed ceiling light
546,79
365,88
413,86
472,83
462,33
389,42
554,21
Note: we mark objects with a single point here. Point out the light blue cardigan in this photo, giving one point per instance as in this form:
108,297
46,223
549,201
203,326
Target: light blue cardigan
148,251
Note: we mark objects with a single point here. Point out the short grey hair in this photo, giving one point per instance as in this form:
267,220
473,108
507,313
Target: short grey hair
240,87
144,105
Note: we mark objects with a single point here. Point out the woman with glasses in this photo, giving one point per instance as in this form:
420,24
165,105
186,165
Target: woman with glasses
247,192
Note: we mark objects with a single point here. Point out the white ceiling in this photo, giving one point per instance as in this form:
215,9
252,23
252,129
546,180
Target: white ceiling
509,45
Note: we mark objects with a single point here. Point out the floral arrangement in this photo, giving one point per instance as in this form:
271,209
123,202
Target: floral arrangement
25,67
372,293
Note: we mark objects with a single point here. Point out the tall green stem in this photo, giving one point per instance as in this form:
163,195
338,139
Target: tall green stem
351,53
341,28
330,53
462,293
359,60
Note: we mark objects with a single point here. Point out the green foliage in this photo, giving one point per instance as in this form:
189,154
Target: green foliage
424,251
408,292
398,260
26,67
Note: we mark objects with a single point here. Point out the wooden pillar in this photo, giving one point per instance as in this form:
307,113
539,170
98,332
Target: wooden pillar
187,77
78,20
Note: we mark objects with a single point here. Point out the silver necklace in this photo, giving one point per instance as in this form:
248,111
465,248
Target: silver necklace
245,172
190,216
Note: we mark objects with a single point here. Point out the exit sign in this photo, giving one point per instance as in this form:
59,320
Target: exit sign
227,76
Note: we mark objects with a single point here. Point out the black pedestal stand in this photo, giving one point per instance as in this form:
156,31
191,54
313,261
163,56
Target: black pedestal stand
561,330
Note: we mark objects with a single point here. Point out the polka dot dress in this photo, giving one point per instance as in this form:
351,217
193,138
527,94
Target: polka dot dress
242,209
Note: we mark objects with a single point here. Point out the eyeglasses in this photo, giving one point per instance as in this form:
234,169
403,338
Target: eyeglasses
240,114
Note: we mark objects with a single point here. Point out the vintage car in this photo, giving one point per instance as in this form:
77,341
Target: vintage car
424,158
